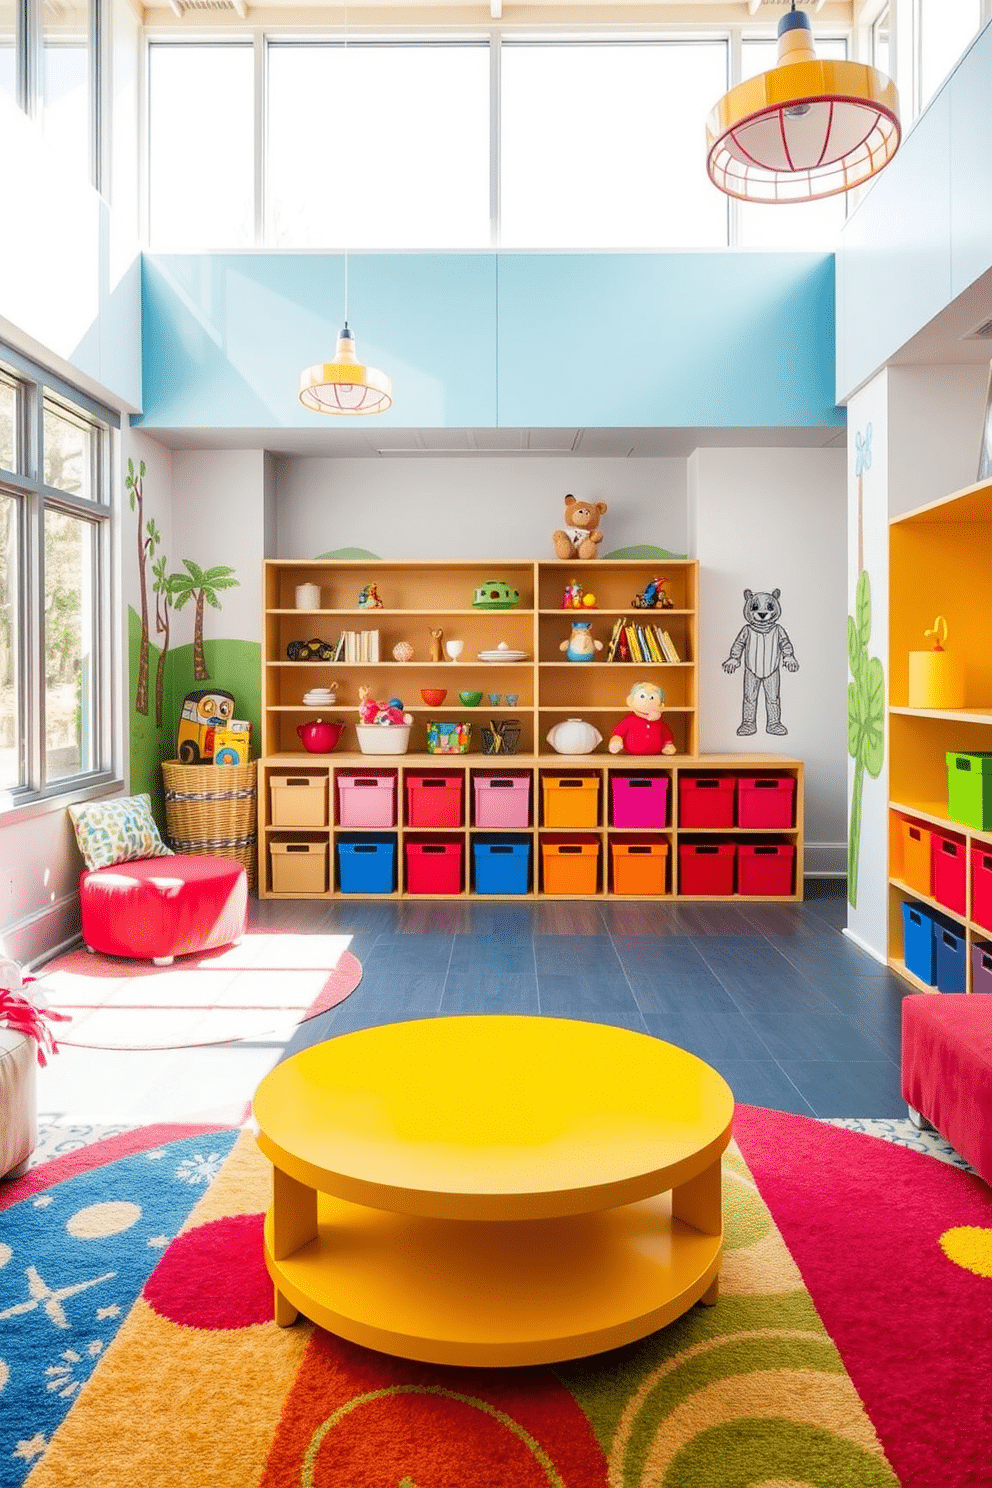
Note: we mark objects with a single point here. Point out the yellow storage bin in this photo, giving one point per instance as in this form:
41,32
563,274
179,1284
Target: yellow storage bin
298,800
299,867
936,677
571,800
570,867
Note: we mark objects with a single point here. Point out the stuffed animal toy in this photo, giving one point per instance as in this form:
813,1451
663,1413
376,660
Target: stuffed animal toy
581,536
641,731
369,711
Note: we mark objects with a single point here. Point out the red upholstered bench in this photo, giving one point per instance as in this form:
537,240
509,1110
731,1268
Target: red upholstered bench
947,1069
159,908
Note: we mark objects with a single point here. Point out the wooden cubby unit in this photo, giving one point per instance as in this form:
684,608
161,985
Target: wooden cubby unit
940,563
419,597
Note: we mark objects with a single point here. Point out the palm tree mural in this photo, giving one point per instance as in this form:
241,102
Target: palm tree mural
162,589
148,538
200,585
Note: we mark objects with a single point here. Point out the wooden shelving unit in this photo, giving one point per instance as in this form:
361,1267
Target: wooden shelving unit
421,597
940,563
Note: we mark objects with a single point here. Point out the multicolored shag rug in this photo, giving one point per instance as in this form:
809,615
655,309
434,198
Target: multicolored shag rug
263,986
849,1347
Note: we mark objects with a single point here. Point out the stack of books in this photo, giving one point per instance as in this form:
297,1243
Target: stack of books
647,643
357,645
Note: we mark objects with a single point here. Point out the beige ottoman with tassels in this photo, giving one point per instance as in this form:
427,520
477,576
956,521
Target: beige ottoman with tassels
18,1102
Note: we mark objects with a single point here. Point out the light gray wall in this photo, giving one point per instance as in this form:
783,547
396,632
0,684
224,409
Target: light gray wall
768,519
476,507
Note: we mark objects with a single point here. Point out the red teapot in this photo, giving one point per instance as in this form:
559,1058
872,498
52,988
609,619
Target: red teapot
319,737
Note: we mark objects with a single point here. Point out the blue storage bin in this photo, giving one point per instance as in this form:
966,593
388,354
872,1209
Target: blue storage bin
502,865
950,957
919,950
367,865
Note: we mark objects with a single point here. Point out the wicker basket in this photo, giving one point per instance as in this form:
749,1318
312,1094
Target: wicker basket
211,809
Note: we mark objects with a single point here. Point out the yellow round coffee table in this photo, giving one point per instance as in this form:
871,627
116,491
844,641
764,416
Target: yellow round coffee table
493,1190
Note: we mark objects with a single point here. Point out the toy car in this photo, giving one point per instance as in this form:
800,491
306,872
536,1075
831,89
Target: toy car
203,712
495,594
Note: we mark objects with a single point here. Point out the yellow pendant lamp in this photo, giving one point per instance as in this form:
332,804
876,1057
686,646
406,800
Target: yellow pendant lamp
345,385
805,129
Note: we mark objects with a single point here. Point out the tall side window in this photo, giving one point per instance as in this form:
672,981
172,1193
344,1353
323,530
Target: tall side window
201,157
582,163
66,71
55,588
10,49
944,29
400,138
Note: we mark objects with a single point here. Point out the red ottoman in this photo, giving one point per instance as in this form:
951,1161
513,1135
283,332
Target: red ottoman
947,1069
159,908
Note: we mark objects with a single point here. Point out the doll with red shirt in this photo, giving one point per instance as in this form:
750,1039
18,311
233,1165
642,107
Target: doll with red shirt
641,731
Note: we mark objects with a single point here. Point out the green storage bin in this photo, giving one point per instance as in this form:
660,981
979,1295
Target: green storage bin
969,789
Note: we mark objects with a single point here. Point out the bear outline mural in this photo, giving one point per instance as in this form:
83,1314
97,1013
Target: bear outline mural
764,646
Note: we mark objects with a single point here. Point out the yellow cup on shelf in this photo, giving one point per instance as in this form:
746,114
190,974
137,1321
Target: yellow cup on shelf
936,677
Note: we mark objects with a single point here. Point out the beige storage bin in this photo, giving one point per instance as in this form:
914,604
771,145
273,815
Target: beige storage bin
299,867
298,800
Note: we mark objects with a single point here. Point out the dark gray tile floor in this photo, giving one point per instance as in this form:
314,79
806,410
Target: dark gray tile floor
774,996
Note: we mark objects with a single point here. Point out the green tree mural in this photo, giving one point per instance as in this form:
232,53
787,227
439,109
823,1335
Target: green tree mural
866,693
148,537
163,590
200,585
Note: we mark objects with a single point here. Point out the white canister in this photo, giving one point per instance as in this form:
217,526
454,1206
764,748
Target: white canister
307,597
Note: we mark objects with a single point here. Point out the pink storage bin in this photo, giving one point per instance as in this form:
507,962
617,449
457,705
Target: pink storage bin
766,801
367,800
502,800
639,800
949,872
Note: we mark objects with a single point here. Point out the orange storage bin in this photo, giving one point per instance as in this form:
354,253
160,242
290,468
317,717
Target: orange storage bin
570,867
571,800
639,868
917,859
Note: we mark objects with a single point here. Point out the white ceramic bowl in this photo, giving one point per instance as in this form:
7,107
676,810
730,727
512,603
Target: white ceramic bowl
374,738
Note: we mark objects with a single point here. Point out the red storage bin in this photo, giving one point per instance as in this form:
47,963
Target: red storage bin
366,800
765,868
502,801
949,872
433,867
706,867
766,801
706,800
639,800
434,800
981,886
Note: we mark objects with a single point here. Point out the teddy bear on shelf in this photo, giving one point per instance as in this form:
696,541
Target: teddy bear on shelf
581,535
641,731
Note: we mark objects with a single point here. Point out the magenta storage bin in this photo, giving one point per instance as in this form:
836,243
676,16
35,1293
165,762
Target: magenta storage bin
434,800
502,800
981,967
639,800
367,800
949,859
766,801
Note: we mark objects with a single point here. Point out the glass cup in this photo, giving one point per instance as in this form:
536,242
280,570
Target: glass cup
494,698
511,699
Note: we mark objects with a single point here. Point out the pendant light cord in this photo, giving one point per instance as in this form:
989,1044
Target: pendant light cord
344,68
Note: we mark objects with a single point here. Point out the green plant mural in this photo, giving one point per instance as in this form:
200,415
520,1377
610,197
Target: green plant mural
866,693
135,487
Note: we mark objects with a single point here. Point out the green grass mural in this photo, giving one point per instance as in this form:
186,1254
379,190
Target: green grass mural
234,665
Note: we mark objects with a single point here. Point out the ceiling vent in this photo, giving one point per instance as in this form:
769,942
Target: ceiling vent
180,7
981,332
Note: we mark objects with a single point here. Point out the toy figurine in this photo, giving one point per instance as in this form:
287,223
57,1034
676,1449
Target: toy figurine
580,645
572,598
641,731
653,596
369,598
436,638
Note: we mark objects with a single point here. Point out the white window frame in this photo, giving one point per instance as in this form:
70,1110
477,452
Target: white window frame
27,486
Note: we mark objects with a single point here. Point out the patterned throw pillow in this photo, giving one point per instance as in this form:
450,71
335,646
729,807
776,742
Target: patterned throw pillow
117,831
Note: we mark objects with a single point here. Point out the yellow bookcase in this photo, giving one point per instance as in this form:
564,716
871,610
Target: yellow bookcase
574,846
940,563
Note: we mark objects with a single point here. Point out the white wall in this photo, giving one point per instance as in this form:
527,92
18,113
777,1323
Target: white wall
474,507
936,415
768,519
219,518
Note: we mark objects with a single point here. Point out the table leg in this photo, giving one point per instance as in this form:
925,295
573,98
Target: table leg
294,1222
700,1203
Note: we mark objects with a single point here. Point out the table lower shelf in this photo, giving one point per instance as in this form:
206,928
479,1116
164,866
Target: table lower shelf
497,1293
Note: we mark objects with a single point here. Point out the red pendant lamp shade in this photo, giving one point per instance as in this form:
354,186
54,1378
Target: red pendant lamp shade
805,129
